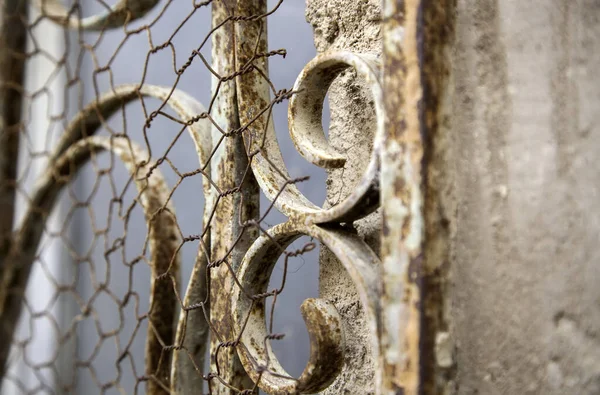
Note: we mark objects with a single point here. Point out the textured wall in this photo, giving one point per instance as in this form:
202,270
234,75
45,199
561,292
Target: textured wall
525,137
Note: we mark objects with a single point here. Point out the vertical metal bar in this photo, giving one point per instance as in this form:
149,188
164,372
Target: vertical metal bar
13,33
402,199
435,34
230,239
417,349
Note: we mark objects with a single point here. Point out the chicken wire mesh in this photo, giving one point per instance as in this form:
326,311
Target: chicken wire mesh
128,206
96,224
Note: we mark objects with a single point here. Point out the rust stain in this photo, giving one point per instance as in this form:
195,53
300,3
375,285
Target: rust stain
323,322
416,34
402,199
437,36
231,239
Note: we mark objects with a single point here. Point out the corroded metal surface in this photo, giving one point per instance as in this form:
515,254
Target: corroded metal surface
13,17
231,235
122,13
305,115
322,320
437,346
306,131
402,198
415,246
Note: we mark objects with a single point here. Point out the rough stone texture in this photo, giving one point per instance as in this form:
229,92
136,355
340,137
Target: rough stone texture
354,26
525,315
524,193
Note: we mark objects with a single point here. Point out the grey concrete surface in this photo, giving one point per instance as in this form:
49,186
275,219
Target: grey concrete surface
525,137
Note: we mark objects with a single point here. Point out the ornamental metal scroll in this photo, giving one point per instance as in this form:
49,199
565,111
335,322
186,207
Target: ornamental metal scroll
238,152
358,259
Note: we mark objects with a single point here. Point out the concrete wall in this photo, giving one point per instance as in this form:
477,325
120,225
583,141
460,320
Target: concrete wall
525,138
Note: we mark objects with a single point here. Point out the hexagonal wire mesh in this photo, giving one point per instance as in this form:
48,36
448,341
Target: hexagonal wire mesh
126,185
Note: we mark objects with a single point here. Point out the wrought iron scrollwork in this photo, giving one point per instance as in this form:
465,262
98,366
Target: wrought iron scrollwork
323,322
325,225
322,319
305,112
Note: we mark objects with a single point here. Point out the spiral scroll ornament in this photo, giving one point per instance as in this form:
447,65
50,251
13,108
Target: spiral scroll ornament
304,118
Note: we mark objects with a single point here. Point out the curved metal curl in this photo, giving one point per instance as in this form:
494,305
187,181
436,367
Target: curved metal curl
306,105
125,11
323,322
87,121
304,117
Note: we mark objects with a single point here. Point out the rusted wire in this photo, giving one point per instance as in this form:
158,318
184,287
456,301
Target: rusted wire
64,102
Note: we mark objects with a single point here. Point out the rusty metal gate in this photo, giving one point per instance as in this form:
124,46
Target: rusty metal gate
206,324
